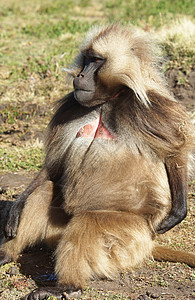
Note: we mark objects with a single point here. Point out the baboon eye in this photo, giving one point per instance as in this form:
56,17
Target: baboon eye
92,59
96,59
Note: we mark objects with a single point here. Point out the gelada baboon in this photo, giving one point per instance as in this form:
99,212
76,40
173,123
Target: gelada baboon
115,171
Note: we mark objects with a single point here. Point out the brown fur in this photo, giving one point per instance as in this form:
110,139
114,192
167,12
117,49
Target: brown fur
101,241
108,198
162,253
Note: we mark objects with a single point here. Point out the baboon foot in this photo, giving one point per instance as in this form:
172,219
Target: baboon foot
58,292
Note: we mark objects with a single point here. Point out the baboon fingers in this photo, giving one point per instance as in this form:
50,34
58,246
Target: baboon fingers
169,223
11,226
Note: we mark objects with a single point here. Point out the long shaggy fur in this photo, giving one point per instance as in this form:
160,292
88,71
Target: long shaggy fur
102,201
133,59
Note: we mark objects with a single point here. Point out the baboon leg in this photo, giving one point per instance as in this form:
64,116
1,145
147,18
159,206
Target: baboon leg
96,243
100,243
34,224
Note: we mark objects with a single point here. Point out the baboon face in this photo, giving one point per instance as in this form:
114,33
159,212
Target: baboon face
86,81
89,88
108,63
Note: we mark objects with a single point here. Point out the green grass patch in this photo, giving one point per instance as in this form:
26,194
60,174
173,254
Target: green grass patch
178,46
9,115
57,6
49,60
15,158
180,56
12,113
54,30
155,13
9,281
13,284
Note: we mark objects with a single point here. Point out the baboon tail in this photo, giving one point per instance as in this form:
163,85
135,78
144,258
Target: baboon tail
163,253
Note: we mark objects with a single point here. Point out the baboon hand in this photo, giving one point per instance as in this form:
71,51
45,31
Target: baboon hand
166,225
172,220
59,293
13,218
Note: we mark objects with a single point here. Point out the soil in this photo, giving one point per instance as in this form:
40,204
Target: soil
154,280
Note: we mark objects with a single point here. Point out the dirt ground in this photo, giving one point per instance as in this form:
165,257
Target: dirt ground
154,280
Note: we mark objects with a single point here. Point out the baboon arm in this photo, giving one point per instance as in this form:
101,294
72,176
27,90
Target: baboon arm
162,253
177,177
13,217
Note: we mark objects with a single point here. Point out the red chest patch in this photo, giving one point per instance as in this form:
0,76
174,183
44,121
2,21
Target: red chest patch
95,129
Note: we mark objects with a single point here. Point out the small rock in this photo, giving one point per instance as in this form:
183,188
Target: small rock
142,297
13,271
152,295
3,189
